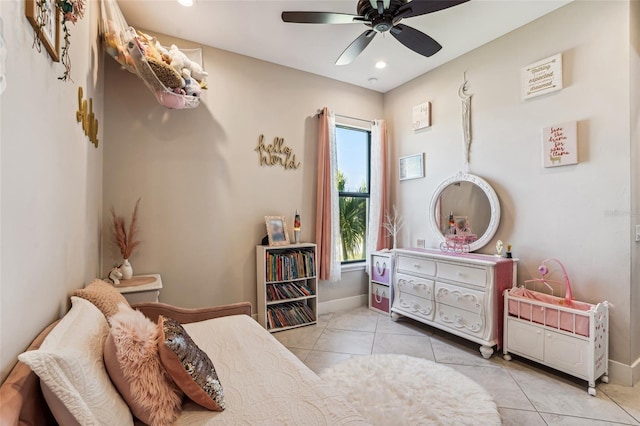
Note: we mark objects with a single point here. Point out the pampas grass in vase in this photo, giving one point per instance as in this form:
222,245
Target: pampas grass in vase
126,240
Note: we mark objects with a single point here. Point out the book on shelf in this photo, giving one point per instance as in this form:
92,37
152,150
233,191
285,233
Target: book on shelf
289,314
290,265
288,290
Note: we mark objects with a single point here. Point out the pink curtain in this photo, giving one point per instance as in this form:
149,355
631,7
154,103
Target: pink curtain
325,227
378,237
384,239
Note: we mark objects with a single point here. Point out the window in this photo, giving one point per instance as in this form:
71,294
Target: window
353,151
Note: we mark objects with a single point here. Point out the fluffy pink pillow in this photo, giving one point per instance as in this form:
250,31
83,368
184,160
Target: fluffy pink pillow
103,295
132,360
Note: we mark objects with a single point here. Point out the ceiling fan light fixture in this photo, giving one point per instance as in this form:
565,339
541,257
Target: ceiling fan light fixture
381,64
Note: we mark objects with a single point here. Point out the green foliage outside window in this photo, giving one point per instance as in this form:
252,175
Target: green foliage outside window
353,222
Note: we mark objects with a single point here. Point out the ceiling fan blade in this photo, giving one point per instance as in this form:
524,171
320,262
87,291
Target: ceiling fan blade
415,40
422,7
356,47
320,18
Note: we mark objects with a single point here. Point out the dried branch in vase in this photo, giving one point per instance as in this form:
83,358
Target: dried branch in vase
126,239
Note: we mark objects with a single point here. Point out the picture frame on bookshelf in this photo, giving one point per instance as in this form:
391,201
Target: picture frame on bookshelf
277,230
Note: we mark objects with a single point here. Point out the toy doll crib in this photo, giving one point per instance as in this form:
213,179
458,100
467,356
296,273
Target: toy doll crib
561,333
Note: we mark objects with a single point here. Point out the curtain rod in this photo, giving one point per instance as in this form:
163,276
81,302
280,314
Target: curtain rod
348,117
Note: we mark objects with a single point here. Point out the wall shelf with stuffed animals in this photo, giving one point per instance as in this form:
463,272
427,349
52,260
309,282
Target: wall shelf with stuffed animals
175,76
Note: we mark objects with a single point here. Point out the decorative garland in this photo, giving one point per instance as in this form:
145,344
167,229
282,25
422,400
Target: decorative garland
72,11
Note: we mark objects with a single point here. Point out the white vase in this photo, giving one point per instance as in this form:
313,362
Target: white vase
126,269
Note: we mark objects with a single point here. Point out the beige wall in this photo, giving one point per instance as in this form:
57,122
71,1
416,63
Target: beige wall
634,59
204,193
579,213
51,180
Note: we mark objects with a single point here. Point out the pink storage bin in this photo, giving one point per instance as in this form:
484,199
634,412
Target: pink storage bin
380,297
381,269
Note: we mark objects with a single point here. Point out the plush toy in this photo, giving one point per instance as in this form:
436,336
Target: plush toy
181,62
192,88
115,276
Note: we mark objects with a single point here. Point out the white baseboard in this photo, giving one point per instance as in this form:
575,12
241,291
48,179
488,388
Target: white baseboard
623,374
342,304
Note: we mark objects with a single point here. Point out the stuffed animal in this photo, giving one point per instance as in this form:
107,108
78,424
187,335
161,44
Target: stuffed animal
115,275
192,88
181,62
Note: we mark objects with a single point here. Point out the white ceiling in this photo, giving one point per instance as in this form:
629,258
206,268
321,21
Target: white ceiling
254,28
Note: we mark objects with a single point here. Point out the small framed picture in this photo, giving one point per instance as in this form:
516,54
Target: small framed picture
421,116
44,17
277,230
412,166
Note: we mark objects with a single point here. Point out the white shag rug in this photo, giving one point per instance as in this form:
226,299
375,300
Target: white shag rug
404,390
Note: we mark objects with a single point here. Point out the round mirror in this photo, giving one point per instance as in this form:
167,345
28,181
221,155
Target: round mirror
464,211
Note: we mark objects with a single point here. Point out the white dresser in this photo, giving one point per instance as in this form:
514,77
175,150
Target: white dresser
458,293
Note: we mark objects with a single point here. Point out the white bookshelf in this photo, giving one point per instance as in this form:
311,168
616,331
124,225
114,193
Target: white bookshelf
287,286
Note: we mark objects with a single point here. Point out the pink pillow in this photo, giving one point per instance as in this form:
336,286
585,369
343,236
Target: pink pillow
189,366
132,360
103,295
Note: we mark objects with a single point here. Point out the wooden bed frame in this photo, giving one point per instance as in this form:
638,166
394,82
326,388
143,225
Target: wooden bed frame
21,400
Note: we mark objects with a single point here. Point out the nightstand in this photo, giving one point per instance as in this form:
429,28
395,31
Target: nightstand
141,288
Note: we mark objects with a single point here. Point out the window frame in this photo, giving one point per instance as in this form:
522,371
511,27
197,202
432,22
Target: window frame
366,195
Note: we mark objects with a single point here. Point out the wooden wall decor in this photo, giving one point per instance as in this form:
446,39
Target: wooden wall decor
276,153
85,116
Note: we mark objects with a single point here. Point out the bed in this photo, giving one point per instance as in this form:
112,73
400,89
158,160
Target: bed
264,383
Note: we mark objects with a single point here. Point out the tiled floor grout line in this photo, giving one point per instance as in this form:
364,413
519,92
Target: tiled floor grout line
455,354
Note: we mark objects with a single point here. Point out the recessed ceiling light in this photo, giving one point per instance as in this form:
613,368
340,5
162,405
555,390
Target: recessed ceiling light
381,64
186,3
373,80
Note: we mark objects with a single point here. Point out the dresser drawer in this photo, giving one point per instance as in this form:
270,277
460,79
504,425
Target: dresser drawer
416,266
464,321
417,286
381,269
464,274
414,305
463,298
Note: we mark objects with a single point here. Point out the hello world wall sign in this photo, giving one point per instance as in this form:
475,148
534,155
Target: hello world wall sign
276,153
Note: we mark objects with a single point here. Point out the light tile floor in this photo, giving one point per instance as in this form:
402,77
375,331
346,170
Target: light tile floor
526,393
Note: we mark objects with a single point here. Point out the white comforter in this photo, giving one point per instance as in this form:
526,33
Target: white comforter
263,382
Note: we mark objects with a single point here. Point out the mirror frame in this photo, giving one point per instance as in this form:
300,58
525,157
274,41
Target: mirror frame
494,204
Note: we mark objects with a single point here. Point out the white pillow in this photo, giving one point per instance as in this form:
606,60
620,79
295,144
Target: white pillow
69,362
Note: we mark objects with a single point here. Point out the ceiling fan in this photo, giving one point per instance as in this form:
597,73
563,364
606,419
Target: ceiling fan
381,16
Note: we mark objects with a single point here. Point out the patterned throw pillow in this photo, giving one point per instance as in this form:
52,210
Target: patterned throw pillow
72,374
189,366
103,295
132,360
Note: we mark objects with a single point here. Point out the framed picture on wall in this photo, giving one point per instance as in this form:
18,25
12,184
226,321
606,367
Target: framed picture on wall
412,166
277,230
44,17
421,116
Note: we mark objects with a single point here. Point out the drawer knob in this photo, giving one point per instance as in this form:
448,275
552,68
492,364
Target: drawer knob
416,265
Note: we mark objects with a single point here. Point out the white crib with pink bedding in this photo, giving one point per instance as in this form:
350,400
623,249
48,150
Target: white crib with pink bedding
571,336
